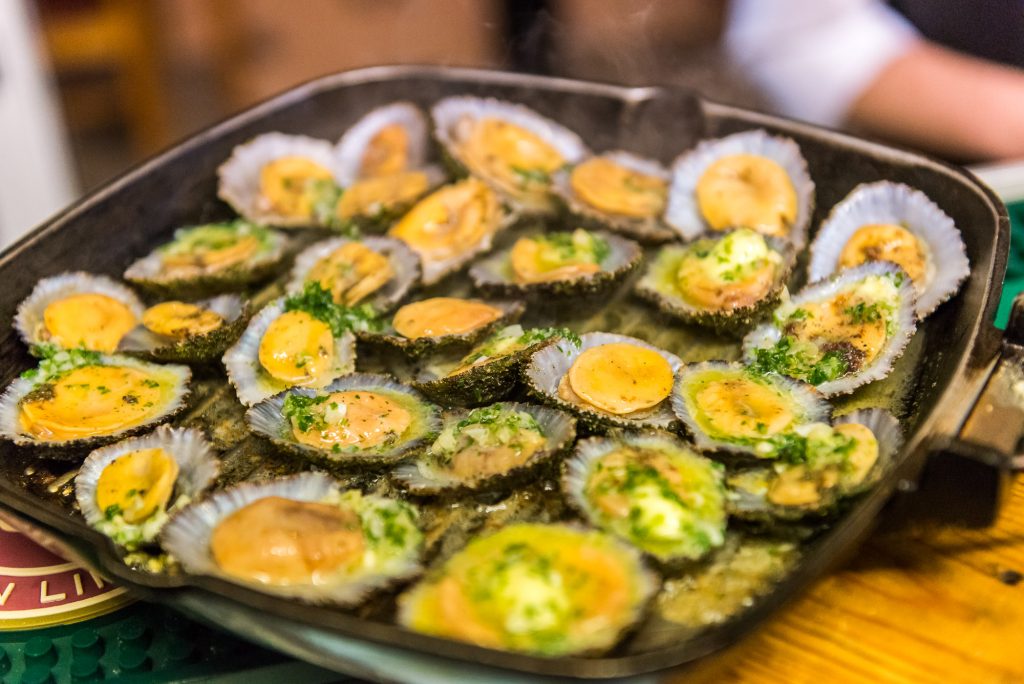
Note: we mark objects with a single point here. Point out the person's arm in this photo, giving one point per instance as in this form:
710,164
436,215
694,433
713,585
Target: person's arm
859,63
947,102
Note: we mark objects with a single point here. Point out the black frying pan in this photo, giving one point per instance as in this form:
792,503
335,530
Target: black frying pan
963,421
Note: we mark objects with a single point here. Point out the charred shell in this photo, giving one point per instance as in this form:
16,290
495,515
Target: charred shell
279,417
196,469
496,276
391,541
471,453
618,174
548,368
684,212
936,260
728,293
829,464
205,260
198,347
840,333
403,264
651,490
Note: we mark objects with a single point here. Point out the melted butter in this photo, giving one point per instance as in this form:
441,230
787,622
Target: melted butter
356,418
138,484
615,189
828,322
740,407
91,321
887,242
450,221
621,378
180,320
283,542
536,261
286,185
517,159
387,153
583,590
441,316
745,190
371,196
352,272
93,401
297,348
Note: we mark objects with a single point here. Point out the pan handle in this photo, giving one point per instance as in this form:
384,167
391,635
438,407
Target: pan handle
986,454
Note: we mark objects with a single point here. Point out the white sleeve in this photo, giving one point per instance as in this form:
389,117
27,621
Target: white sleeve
813,58
35,167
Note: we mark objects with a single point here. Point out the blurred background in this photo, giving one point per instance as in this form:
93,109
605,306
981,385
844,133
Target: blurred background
89,87
130,77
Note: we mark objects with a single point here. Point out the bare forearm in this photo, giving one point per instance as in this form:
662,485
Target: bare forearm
946,102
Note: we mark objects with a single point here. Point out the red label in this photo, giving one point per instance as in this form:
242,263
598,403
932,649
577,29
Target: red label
37,585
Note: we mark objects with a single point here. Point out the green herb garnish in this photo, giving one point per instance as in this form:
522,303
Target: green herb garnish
319,303
298,408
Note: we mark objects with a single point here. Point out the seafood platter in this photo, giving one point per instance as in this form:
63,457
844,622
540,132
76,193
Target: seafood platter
545,375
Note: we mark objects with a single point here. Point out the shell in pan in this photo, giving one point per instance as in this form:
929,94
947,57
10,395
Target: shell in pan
451,226
892,222
512,148
840,333
440,324
282,180
491,369
377,271
746,180
129,489
373,204
357,419
300,537
606,381
651,490
558,264
550,590
617,191
289,344
78,311
729,407
821,465
487,447
209,259
723,282
388,140
79,400
188,332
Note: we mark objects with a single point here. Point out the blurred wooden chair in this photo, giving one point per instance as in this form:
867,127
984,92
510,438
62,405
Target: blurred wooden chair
120,37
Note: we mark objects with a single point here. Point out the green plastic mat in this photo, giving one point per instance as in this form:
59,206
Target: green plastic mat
1014,282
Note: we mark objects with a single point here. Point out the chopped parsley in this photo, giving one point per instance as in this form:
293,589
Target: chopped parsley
319,303
531,176
577,246
213,237
863,312
820,446
785,358
299,409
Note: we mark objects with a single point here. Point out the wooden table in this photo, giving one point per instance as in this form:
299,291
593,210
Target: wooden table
922,605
